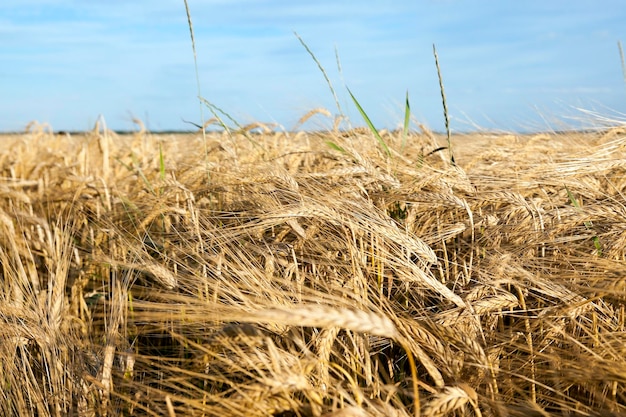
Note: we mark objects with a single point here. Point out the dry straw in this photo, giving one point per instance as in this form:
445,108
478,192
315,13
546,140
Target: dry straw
347,277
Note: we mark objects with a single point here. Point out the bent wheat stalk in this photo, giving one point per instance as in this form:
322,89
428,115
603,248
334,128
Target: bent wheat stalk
329,317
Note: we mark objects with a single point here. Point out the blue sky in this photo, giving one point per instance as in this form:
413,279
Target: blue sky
506,65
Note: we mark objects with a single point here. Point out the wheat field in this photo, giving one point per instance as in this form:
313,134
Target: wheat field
312,274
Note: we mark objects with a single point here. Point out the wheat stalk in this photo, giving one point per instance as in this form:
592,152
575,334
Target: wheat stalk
448,400
324,343
322,316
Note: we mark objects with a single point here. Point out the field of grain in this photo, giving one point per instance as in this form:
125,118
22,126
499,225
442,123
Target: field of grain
311,274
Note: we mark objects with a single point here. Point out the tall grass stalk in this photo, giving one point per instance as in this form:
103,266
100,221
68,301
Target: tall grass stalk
321,68
407,120
343,82
198,87
445,106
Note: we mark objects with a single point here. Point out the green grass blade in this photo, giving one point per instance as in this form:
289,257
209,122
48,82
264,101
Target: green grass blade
597,245
407,117
572,199
161,163
336,147
370,125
